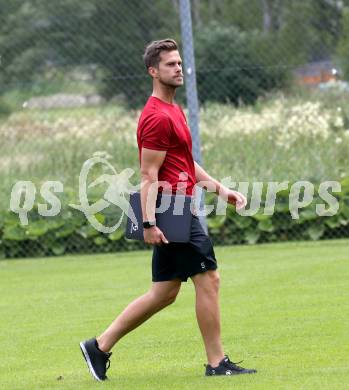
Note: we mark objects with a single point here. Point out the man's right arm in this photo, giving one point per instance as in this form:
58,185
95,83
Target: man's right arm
151,161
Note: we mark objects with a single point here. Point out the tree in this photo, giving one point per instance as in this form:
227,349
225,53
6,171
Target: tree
272,14
343,45
110,34
121,31
230,69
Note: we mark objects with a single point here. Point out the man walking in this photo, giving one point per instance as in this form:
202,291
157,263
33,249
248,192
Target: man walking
165,152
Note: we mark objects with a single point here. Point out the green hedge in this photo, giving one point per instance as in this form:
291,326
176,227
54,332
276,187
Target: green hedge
70,232
235,229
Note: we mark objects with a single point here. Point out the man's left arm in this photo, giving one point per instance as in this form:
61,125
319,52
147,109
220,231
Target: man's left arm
206,181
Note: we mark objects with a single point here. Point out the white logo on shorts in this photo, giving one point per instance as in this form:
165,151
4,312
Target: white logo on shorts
203,265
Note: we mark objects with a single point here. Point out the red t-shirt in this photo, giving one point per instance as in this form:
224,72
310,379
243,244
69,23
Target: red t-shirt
163,126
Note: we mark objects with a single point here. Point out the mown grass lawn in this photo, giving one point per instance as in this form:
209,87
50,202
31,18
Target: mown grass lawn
284,311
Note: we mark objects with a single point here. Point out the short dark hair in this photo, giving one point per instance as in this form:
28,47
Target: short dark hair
151,56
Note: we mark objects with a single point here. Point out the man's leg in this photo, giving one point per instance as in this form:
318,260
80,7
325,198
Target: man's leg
159,296
208,314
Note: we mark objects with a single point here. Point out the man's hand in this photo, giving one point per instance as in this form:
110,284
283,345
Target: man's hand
233,197
154,236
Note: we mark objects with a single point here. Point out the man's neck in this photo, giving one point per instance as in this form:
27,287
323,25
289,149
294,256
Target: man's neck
166,95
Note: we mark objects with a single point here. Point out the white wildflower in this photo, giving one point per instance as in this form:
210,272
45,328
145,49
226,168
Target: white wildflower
338,122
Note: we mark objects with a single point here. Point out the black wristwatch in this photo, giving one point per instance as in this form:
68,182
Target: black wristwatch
149,224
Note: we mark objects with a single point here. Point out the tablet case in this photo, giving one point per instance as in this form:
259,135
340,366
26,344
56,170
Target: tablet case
173,217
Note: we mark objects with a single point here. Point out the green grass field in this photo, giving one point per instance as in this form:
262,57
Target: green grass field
284,311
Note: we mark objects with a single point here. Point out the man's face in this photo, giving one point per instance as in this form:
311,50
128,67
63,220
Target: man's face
169,71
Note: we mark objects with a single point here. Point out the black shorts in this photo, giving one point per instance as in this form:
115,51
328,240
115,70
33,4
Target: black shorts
183,260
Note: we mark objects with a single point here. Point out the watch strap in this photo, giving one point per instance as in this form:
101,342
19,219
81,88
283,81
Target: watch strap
148,224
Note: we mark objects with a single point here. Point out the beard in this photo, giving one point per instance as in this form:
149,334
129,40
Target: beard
172,82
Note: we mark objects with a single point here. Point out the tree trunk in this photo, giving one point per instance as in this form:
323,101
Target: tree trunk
278,14
175,4
267,19
196,13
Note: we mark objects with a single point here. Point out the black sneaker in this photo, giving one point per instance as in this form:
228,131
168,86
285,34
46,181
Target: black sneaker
226,367
97,361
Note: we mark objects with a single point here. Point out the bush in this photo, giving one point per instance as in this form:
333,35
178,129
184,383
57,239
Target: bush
236,66
68,232
235,229
5,109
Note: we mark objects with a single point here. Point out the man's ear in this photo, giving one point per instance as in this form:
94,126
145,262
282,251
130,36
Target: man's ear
153,72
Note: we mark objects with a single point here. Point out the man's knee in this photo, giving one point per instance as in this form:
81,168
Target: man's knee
209,282
165,297
214,280
171,296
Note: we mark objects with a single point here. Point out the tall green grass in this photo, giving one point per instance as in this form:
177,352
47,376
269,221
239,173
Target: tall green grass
282,138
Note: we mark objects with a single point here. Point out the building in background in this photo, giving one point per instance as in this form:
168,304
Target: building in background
316,73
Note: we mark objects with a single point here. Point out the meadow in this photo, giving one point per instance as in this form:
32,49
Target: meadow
302,136
284,312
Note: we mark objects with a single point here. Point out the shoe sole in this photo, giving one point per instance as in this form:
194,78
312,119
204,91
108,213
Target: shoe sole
241,373
88,361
